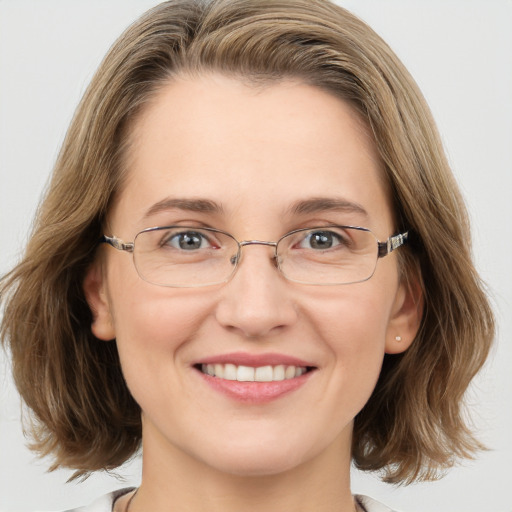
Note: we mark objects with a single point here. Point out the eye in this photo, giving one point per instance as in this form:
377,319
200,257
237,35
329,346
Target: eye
321,240
187,241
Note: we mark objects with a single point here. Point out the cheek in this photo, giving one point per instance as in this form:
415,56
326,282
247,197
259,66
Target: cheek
354,319
353,326
153,325
158,322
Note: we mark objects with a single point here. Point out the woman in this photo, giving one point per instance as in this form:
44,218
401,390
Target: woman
250,156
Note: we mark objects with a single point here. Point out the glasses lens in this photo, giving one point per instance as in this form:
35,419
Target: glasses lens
328,255
183,256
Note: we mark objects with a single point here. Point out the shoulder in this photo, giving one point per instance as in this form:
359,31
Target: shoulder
104,503
370,505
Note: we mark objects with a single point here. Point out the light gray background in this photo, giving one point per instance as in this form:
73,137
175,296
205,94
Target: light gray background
460,52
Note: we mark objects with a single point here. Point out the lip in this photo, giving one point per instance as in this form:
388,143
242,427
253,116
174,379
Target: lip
255,392
246,359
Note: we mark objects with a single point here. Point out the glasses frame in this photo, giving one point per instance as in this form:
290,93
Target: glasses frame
383,249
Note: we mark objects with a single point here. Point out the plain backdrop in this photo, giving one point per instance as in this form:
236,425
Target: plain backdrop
459,51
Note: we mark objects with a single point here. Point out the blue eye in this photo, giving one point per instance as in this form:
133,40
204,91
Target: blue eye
321,240
187,241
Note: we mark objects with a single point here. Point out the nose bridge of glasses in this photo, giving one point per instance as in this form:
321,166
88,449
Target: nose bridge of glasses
236,258
243,243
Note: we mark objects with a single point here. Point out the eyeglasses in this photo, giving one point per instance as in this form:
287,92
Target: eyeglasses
187,257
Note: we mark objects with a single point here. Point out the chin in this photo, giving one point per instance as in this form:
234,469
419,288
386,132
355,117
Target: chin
245,465
261,458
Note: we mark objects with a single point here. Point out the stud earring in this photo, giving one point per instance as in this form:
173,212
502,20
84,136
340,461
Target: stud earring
398,338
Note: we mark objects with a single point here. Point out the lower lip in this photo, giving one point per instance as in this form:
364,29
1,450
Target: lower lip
255,392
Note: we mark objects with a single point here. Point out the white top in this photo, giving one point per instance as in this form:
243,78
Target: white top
106,503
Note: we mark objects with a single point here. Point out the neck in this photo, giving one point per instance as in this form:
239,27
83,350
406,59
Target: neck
180,482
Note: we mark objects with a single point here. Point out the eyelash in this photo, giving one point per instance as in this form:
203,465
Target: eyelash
172,239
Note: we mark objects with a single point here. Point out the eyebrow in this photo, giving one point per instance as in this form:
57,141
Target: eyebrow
302,207
191,205
322,204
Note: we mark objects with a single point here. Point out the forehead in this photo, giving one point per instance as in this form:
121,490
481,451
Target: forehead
252,151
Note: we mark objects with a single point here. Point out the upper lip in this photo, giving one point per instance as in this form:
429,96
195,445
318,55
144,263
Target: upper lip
255,360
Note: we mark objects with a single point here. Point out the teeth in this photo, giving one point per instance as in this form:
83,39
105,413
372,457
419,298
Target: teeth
218,370
289,373
249,374
279,372
245,374
229,372
264,374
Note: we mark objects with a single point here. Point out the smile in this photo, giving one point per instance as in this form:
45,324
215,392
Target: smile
243,373
254,379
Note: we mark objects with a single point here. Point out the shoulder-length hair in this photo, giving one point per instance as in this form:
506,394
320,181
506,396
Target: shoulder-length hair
413,425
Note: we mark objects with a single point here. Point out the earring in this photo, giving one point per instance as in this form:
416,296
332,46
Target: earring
398,338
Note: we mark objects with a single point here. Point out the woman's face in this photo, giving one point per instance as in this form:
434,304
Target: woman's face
257,163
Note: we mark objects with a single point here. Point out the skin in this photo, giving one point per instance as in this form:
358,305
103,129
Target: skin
255,152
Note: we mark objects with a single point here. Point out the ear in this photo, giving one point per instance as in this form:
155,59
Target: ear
405,318
94,286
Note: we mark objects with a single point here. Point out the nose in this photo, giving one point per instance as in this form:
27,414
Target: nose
257,301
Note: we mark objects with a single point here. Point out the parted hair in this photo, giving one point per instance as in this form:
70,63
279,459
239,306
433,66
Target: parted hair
414,425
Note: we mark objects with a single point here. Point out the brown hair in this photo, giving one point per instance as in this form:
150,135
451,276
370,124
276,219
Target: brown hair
84,415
